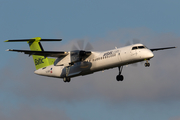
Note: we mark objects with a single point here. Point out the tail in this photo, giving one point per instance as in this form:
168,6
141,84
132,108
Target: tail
35,45
39,61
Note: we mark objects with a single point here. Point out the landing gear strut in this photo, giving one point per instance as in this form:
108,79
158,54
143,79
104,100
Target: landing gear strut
66,79
120,77
147,64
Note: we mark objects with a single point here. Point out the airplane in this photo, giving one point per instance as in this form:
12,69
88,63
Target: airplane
66,65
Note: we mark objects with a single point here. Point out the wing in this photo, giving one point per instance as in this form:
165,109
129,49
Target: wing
42,53
156,49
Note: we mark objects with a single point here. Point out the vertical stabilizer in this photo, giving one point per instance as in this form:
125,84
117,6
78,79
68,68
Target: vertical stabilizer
39,61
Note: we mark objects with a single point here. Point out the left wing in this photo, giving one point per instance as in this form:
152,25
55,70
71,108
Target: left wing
42,53
156,49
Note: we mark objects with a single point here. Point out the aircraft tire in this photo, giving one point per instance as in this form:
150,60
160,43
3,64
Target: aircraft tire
147,64
66,79
119,77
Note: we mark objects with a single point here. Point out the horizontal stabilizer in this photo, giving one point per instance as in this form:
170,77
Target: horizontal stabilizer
32,40
42,53
38,53
156,49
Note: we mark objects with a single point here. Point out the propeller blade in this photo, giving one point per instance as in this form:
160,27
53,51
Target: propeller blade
128,43
80,44
88,46
135,41
74,47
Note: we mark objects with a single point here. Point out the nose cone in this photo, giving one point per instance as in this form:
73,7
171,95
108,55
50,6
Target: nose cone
150,54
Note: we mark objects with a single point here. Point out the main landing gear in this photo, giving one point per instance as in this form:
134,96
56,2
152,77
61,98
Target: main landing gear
66,79
120,77
147,64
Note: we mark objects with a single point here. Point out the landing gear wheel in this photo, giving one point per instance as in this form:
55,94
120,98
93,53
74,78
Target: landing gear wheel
147,64
119,77
66,79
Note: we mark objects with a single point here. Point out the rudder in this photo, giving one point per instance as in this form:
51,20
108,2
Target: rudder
39,61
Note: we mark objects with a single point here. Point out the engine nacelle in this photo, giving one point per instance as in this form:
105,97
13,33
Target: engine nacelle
72,57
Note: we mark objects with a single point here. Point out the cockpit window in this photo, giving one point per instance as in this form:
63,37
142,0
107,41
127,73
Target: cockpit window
134,48
138,47
141,47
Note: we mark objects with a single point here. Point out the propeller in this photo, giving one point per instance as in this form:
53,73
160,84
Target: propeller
82,46
134,41
80,50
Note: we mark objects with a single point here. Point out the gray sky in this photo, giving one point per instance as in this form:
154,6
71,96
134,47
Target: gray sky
146,93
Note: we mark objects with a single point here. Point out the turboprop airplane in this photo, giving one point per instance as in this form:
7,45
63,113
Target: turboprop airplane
83,62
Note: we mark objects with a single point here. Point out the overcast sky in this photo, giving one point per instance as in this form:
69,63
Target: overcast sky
146,93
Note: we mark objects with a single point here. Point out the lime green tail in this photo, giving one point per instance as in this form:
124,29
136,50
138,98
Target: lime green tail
39,61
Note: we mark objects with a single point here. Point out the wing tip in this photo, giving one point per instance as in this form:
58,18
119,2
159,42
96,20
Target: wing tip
9,50
6,41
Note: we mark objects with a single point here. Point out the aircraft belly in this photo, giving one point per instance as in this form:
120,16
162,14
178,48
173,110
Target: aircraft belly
51,71
77,69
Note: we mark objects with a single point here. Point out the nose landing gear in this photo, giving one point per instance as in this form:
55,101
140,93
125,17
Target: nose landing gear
147,64
120,77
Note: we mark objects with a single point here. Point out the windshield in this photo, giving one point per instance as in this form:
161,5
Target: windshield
134,48
138,47
141,47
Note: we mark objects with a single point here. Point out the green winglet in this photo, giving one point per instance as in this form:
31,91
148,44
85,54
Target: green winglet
6,41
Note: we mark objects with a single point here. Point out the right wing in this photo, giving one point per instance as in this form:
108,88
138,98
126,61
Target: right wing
156,49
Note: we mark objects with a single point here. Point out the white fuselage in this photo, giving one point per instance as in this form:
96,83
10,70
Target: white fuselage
99,61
